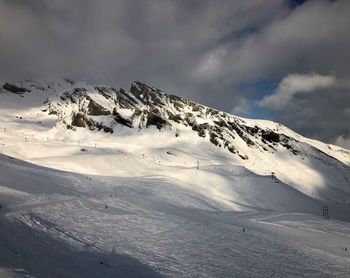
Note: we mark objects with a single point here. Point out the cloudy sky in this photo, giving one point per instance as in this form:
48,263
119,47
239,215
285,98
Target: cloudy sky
285,60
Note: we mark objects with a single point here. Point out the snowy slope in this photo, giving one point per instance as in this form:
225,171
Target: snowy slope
160,185
61,224
149,123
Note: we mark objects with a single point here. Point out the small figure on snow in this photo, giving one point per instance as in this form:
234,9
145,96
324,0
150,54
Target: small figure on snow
243,230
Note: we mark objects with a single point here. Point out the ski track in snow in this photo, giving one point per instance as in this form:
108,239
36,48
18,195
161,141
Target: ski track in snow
149,204
182,234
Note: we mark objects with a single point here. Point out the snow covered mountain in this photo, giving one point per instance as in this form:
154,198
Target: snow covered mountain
143,163
263,147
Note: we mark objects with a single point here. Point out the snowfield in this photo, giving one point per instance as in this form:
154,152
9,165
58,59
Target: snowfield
163,202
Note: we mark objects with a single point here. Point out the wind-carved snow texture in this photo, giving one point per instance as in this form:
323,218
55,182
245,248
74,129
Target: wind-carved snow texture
159,186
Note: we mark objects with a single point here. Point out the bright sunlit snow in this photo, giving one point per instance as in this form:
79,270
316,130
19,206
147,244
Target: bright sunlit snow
148,202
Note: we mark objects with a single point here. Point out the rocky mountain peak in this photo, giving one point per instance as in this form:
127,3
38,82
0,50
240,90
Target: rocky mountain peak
103,108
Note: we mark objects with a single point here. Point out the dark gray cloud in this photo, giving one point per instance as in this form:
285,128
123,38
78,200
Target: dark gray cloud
201,49
316,105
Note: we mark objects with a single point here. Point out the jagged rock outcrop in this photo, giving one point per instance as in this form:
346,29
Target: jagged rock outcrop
14,88
102,108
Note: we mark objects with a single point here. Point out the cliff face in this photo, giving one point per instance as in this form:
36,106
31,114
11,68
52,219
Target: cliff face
102,108
263,147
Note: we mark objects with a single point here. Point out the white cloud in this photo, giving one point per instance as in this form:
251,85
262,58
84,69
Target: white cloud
313,37
343,142
241,108
209,66
203,50
294,84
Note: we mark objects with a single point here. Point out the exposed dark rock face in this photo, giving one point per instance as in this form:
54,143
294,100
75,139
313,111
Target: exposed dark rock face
80,120
70,81
119,119
270,136
159,122
95,109
147,106
14,88
201,129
